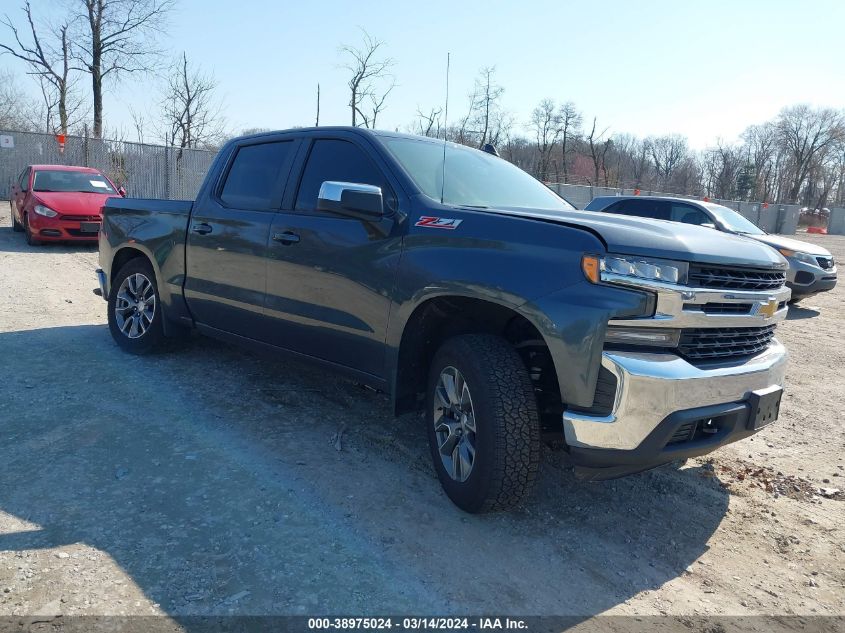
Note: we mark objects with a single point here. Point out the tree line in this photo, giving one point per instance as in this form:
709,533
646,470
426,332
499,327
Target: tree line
76,58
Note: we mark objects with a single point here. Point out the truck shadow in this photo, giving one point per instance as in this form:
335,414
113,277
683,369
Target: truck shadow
797,313
213,480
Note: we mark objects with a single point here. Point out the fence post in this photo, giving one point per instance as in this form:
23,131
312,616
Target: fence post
85,146
166,171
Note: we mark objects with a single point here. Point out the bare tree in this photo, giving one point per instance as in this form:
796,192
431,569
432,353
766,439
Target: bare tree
49,59
667,152
547,125
190,114
118,37
487,108
370,73
428,123
805,133
598,152
17,112
570,127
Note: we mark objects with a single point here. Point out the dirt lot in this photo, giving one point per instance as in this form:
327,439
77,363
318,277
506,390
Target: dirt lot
208,481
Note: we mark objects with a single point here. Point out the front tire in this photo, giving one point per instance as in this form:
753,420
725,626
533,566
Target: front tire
483,424
134,309
16,226
30,238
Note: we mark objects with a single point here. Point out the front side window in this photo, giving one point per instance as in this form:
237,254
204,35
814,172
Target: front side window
70,181
341,161
253,181
472,178
688,214
24,180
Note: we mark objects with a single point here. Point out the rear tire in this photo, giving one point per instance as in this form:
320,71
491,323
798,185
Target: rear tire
134,309
30,238
498,454
16,226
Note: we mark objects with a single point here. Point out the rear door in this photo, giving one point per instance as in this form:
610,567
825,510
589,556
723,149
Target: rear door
226,256
329,277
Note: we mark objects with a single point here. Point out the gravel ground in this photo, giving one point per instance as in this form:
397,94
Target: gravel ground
208,481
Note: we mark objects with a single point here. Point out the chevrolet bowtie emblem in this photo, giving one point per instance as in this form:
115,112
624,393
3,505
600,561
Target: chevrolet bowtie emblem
767,309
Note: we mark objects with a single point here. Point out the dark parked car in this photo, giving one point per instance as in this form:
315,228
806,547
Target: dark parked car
811,267
467,290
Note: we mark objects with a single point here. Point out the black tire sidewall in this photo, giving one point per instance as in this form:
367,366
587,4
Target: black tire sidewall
30,238
479,493
153,338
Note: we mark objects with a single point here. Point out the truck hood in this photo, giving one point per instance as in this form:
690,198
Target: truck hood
778,241
658,238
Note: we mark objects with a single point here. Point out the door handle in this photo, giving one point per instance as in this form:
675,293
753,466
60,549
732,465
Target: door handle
202,228
287,237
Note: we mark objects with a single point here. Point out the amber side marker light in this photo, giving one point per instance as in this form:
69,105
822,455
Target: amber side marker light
590,266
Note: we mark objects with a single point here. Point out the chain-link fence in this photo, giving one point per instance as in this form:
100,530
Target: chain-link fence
147,171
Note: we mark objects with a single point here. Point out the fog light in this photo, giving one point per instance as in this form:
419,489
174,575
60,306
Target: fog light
709,426
660,337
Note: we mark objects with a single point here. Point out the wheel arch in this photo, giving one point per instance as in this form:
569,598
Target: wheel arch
442,316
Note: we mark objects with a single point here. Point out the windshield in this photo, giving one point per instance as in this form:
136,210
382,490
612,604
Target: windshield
82,181
733,221
473,178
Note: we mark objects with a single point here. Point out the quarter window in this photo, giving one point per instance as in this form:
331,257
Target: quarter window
254,179
342,161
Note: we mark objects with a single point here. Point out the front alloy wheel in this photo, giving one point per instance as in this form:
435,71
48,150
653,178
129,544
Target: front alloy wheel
454,424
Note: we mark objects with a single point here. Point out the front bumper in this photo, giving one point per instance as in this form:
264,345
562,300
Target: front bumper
805,279
657,393
59,229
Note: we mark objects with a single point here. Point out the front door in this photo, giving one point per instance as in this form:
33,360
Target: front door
330,278
226,258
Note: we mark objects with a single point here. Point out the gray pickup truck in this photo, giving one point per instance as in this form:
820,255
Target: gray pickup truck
464,288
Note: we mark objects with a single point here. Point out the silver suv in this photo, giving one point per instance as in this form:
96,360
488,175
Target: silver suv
811,267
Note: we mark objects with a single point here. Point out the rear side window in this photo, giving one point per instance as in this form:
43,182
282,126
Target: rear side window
254,179
341,161
642,208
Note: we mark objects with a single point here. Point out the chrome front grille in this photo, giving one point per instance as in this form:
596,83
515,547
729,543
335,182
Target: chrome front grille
735,278
701,344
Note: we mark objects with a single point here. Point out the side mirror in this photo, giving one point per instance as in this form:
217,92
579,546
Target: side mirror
709,225
122,191
351,199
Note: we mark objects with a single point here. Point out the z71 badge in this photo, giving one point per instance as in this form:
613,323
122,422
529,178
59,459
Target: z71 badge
438,223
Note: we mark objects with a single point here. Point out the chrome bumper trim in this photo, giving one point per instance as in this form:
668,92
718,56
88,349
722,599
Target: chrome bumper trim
652,386
676,305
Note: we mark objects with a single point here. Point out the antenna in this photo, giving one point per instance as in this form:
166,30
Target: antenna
445,122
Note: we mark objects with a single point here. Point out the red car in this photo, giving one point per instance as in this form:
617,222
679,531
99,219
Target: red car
59,203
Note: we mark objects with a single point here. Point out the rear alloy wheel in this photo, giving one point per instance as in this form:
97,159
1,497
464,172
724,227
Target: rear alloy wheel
16,226
30,238
483,424
134,308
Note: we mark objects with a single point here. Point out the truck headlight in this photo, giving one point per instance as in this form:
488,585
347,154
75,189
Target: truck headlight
653,336
619,268
47,212
801,257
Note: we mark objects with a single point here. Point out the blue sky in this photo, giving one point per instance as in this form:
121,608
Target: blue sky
703,69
